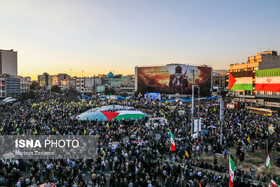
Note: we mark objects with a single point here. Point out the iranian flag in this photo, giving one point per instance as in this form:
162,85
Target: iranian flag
231,171
173,147
241,80
273,183
268,80
268,164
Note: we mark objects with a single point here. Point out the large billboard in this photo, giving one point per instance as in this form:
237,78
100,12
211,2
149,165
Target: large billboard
175,78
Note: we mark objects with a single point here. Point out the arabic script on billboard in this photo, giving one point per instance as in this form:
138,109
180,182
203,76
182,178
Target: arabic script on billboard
173,79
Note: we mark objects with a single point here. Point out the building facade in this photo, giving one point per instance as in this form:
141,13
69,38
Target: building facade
120,83
8,62
57,79
220,80
25,83
10,86
128,87
246,77
98,84
87,84
45,80
2,87
13,87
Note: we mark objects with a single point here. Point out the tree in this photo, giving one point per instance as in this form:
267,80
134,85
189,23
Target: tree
56,88
34,85
109,91
124,94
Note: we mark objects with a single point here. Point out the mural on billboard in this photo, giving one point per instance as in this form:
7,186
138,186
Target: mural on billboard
173,79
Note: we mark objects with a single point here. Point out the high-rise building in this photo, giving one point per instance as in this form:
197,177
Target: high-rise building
8,62
45,80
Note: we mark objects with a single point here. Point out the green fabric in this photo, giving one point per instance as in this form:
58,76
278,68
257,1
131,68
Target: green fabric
242,87
268,163
232,164
268,73
171,135
130,116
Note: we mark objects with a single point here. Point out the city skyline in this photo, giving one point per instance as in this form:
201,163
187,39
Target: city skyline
101,36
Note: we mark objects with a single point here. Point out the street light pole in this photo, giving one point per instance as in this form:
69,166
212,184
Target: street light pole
222,111
198,96
94,87
192,104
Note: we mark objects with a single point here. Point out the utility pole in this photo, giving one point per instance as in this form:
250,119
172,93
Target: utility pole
198,96
222,112
192,103
94,88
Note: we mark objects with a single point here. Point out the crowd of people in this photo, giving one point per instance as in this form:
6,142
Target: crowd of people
145,159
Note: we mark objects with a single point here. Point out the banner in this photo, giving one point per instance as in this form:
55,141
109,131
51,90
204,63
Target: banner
241,80
197,125
268,80
173,79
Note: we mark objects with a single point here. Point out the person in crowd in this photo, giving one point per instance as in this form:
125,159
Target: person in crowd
143,160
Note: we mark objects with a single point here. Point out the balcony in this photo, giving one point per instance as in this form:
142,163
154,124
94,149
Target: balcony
268,96
247,96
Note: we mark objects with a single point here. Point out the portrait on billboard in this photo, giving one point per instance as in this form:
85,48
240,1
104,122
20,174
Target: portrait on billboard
178,81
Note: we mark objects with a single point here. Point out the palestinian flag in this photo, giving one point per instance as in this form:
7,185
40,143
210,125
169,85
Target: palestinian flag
241,80
172,140
140,95
268,80
268,163
231,171
273,183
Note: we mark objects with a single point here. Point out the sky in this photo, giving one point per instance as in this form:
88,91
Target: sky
94,37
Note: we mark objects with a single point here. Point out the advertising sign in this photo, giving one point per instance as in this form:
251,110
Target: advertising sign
196,125
251,100
152,96
272,104
175,78
232,106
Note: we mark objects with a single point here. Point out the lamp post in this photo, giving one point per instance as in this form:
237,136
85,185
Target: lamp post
222,112
198,95
94,87
192,122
